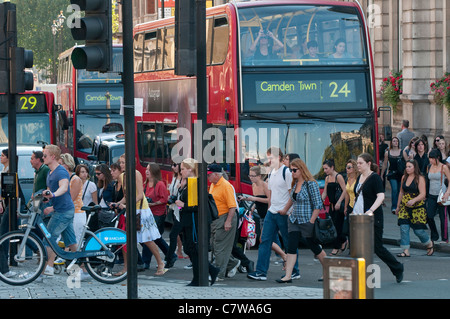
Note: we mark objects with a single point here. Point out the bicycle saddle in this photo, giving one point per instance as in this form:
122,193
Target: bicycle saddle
91,208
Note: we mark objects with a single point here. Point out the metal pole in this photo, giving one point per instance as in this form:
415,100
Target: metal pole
12,133
201,115
362,242
130,137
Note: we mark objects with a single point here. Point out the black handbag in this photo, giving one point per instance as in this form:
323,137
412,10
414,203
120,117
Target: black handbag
105,217
212,208
324,229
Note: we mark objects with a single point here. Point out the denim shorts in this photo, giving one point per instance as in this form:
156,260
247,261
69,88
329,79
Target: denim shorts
61,223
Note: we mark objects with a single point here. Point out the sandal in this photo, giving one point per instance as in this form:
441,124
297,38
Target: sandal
161,272
403,254
345,246
430,250
120,273
335,252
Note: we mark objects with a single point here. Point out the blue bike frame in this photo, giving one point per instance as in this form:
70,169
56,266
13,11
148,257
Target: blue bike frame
94,247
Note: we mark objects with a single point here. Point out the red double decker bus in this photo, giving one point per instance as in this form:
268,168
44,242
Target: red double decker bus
293,74
35,118
90,102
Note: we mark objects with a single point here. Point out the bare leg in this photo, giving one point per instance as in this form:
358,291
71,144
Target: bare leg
155,251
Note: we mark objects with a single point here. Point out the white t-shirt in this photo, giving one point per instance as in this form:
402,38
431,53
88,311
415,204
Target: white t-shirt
279,188
87,193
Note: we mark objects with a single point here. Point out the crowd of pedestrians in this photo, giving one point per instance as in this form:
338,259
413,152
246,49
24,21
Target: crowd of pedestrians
288,200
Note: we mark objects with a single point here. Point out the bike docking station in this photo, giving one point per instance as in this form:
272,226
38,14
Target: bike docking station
347,277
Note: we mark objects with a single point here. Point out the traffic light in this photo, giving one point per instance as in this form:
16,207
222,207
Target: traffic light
185,38
96,29
20,80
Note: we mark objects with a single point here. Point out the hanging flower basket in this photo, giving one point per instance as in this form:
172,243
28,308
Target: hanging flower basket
391,88
441,91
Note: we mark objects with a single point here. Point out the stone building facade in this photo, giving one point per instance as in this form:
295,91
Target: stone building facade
412,36
407,35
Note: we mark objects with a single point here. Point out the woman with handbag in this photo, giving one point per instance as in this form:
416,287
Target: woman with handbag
335,191
147,231
412,210
155,190
369,187
394,174
189,223
438,174
305,197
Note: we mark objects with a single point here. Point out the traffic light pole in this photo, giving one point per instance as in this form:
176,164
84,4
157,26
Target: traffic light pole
11,34
203,240
130,137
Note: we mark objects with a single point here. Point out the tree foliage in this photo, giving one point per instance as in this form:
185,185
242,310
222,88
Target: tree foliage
34,28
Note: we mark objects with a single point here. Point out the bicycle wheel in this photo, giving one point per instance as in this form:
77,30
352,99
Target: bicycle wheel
26,265
103,269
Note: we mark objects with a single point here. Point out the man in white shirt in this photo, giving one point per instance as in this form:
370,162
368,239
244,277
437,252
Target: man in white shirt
280,180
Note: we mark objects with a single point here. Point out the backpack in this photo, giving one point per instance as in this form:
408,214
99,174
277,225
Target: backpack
248,229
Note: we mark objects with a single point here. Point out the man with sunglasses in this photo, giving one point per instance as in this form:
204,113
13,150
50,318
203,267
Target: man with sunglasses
62,209
276,220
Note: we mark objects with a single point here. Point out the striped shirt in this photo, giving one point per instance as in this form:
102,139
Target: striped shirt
303,203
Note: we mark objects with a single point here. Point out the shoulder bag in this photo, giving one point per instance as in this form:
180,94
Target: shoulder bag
324,229
442,192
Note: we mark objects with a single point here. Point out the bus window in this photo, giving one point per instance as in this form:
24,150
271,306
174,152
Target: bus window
169,48
156,141
221,37
159,49
273,35
150,51
209,32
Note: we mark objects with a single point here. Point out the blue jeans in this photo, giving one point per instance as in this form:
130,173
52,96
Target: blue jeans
272,224
61,223
395,184
404,236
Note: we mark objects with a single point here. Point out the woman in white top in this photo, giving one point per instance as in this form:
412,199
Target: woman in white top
437,173
89,189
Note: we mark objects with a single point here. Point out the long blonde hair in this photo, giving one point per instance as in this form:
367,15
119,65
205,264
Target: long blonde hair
306,174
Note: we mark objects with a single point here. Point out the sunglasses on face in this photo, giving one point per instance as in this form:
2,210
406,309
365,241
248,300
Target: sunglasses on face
293,170
349,167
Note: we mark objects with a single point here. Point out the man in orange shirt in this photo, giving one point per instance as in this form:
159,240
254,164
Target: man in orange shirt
223,229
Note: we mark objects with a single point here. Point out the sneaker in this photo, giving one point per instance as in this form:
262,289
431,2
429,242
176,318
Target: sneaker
59,261
233,271
49,271
295,275
188,267
84,276
10,274
257,276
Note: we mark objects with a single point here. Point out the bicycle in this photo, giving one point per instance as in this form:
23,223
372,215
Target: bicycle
27,256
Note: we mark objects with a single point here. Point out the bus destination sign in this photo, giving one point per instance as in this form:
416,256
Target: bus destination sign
25,103
305,91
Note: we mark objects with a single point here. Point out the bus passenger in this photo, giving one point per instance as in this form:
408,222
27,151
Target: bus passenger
340,51
312,56
263,50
